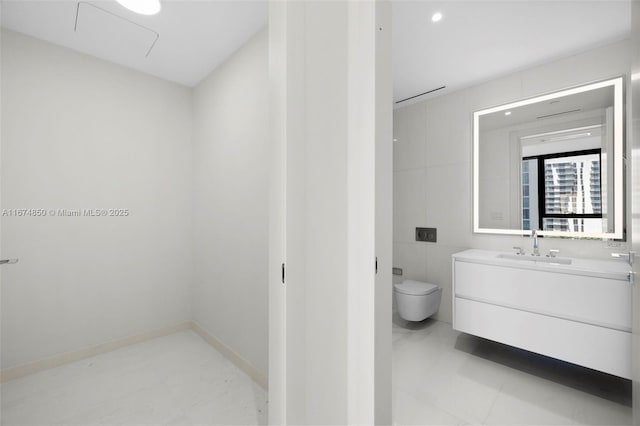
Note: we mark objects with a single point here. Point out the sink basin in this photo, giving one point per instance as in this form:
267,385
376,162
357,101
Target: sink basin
600,268
541,259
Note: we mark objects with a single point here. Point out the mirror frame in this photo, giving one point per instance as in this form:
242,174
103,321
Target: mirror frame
618,164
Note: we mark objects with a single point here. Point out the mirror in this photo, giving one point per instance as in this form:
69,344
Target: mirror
553,163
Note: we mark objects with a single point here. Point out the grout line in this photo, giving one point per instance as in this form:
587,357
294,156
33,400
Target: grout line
493,403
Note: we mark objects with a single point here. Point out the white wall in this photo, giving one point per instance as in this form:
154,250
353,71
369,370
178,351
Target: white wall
432,166
78,132
230,203
634,141
329,130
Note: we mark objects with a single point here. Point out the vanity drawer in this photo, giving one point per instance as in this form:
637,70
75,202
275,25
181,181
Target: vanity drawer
590,300
600,348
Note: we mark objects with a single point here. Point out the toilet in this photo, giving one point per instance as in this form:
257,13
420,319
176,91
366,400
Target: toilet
417,300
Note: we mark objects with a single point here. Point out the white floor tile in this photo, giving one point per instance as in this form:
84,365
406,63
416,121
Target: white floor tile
441,376
177,379
591,410
413,411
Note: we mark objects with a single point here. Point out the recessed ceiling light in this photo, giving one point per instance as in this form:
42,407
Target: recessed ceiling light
436,17
143,7
507,113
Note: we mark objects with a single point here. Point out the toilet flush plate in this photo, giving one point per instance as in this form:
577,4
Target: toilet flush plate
429,235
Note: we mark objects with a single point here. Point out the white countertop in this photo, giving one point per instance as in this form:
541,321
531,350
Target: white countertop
613,269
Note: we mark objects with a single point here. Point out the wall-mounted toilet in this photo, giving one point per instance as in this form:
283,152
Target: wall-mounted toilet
417,300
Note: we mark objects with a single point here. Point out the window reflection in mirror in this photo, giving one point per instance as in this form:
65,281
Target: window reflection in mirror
564,192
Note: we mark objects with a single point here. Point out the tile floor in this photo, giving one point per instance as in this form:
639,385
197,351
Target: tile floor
441,377
444,377
172,380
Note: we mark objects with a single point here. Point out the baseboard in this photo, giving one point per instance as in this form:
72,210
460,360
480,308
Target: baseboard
232,356
19,371
16,372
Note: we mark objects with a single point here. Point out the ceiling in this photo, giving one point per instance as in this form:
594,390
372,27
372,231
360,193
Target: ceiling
194,36
474,42
480,40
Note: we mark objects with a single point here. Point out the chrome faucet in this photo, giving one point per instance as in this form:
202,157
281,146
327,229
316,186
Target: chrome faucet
534,237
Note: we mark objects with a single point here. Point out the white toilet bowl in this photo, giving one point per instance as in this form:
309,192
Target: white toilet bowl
417,300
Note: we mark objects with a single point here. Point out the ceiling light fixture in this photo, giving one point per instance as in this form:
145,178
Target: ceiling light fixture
436,17
143,7
507,113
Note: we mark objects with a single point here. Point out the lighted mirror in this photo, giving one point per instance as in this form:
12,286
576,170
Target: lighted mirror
553,163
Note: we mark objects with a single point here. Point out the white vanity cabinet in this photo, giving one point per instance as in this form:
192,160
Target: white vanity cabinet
578,312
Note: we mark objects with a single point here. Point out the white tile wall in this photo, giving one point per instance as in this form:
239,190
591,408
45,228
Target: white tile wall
448,198
409,148
410,203
412,258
